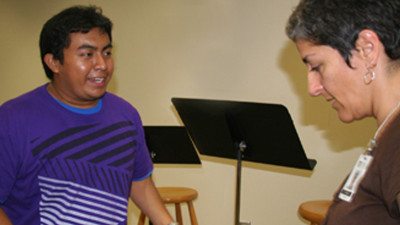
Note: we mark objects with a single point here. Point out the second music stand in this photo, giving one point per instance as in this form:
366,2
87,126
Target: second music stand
170,145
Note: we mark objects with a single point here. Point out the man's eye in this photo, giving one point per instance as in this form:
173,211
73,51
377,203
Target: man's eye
107,53
86,54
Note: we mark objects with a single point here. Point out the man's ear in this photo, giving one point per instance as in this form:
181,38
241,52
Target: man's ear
52,63
369,46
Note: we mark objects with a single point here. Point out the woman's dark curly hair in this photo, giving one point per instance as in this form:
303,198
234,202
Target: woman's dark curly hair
337,23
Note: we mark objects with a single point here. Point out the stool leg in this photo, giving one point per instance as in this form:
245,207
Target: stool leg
142,218
178,213
192,214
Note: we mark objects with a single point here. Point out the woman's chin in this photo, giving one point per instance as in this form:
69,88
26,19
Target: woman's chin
345,118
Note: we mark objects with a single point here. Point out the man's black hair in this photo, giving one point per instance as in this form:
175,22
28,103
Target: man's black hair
55,34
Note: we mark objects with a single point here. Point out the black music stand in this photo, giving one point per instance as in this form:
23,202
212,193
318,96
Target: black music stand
256,132
170,145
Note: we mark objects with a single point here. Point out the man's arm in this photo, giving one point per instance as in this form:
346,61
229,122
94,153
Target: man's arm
144,194
4,219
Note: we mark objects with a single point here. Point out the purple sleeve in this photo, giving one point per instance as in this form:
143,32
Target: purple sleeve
143,163
8,157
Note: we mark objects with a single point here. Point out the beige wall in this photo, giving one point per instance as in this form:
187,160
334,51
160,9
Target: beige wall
222,49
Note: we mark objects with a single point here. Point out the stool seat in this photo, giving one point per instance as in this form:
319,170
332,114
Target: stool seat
314,211
177,195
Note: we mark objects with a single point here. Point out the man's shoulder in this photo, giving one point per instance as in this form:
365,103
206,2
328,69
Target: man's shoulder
114,100
23,102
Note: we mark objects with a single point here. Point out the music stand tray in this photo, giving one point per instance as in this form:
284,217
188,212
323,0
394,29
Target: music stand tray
256,132
170,145
267,129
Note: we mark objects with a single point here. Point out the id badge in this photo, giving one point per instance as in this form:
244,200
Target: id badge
357,174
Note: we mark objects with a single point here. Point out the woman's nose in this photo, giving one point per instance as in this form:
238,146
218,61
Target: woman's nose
314,85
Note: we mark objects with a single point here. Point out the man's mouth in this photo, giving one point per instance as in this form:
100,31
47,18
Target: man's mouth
97,80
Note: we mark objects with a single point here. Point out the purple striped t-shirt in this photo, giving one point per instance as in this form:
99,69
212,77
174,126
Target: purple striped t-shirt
59,166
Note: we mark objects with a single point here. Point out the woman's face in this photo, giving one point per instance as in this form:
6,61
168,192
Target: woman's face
330,77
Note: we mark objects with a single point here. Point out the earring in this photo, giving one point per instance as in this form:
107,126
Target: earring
369,76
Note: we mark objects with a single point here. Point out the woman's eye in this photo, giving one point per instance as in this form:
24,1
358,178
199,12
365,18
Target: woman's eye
315,68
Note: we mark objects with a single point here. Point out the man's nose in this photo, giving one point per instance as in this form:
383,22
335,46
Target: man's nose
101,63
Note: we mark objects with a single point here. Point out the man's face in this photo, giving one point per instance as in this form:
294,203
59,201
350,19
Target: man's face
87,68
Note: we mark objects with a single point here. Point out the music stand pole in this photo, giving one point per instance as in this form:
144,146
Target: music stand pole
240,149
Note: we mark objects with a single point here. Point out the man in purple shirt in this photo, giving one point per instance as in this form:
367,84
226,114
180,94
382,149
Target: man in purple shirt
70,152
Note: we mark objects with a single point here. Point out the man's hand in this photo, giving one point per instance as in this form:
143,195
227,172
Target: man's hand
4,218
145,195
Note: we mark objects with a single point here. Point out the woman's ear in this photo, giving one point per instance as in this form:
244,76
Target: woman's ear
52,63
369,46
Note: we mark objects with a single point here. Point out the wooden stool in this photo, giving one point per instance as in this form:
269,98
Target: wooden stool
314,211
176,195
